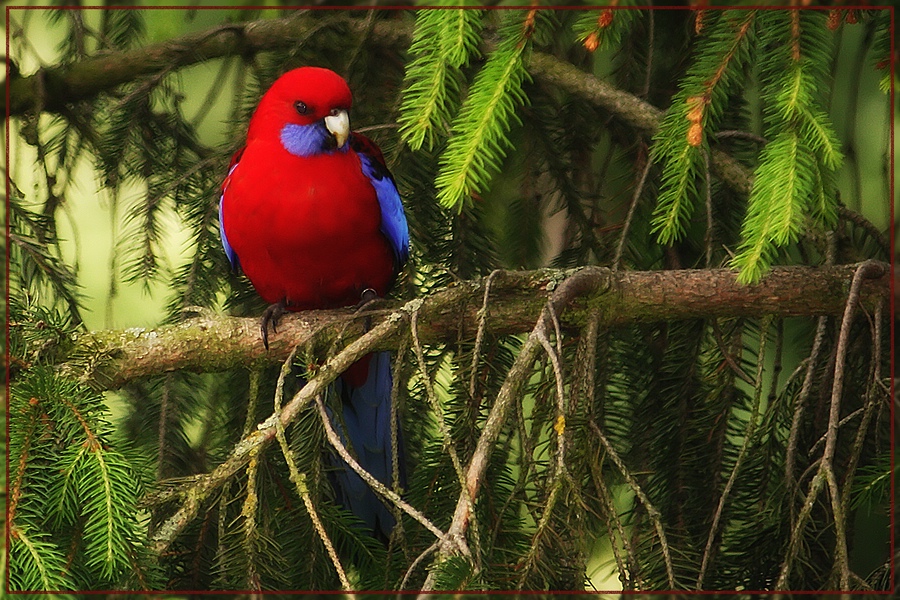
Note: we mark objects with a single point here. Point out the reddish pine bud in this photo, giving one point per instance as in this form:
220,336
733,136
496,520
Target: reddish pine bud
695,135
698,21
834,19
695,108
592,42
851,17
529,22
605,18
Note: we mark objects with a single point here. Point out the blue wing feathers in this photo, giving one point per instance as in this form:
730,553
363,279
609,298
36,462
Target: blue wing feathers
229,251
393,219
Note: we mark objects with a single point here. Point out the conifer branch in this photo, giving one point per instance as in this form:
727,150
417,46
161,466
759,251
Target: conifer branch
53,88
652,511
378,487
749,433
825,473
109,359
86,79
578,284
196,491
299,479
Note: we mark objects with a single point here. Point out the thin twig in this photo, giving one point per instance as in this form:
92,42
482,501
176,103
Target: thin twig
749,432
652,511
620,248
248,511
710,222
252,401
439,413
558,474
856,413
163,426
395,435
299,479
726,355
799,407
872,401
429,550
482,325
378,487
747,135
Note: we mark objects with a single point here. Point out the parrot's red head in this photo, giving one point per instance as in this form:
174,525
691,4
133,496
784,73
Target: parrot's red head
311,97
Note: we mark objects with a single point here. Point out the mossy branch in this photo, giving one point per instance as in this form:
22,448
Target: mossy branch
213,343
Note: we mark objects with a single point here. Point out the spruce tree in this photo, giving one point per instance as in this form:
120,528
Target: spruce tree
642,342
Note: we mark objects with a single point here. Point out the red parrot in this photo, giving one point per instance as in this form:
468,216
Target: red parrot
312,216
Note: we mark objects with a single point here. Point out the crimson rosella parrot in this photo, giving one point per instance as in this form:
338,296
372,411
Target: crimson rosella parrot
310,213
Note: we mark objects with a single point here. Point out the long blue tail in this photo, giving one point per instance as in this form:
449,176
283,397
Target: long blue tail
367,416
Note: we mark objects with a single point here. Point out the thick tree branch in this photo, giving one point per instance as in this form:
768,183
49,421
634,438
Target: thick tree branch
54,87
627,107
109,359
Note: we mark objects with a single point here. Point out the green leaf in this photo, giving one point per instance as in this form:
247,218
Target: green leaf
784,183
443,43
480,132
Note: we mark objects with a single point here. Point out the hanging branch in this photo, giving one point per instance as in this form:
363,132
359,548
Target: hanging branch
579,284
198,489
652,511
299,479
749,433
825,473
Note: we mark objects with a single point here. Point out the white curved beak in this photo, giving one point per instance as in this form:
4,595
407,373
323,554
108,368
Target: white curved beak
339,126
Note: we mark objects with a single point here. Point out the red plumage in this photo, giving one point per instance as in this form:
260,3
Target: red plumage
312,216
306,229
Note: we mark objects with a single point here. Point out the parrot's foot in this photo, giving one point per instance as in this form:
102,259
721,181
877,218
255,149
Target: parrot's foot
366,299
367,296
272,314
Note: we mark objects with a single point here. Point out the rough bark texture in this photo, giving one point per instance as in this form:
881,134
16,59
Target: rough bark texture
109,359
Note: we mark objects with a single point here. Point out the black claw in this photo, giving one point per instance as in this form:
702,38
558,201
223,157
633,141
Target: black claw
367,296
272,314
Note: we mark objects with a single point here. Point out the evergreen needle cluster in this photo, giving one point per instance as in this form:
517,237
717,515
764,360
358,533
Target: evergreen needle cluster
443,43
659,453
790,53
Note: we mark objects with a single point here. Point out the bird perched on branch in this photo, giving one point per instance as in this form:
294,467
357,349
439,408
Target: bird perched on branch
312,216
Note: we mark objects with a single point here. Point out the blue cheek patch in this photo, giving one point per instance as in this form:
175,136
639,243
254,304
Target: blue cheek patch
308,140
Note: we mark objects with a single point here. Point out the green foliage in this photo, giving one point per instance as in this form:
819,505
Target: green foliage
443,43
722,53
795,175
35,268
687,446
73,498
478,141
794,179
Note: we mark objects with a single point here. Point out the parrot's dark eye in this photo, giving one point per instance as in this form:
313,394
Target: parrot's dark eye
301,107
